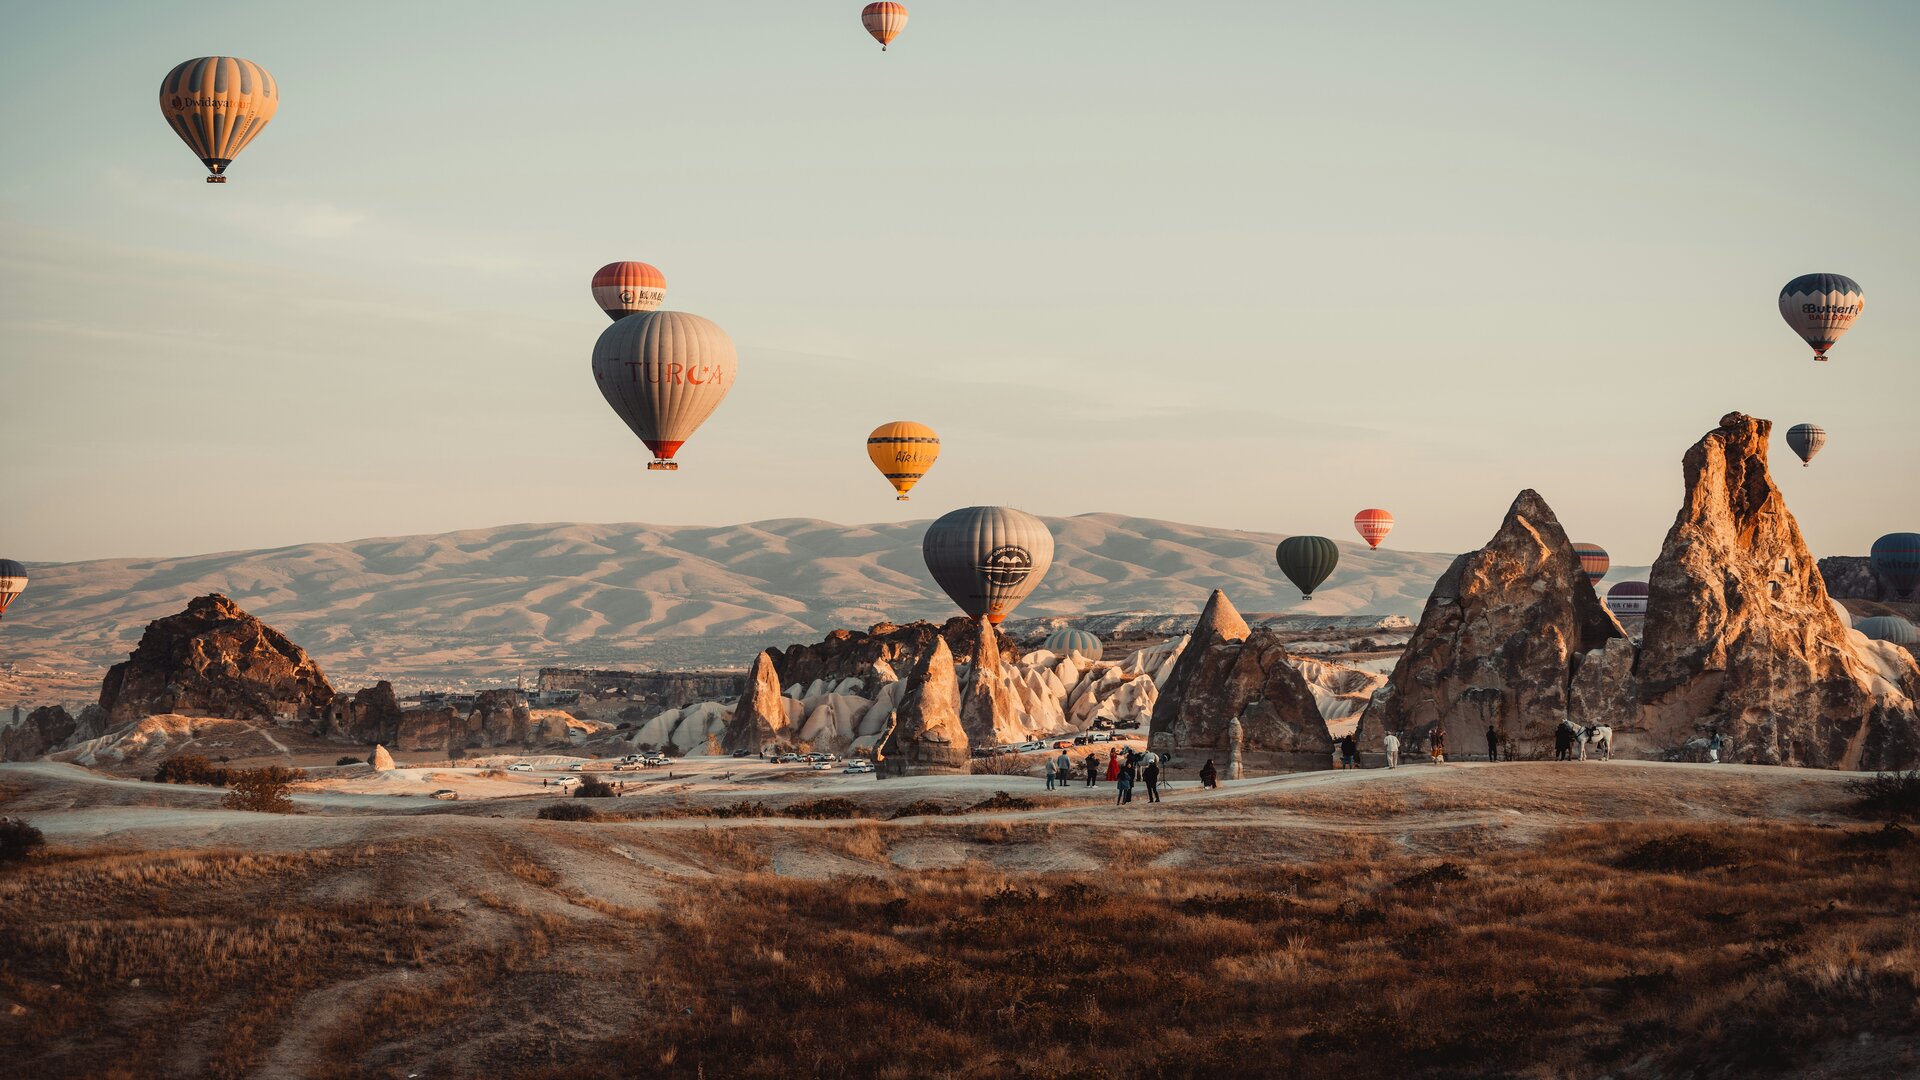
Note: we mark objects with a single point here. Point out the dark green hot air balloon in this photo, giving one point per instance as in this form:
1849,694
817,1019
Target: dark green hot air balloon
1307,560
1896,558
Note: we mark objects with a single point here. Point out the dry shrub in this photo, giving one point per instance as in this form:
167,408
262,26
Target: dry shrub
263,791
919,808
1000,800
18,840
1676,855
570,811
1891,795
1006,765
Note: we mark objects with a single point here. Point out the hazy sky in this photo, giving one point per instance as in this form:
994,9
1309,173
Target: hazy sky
1245,264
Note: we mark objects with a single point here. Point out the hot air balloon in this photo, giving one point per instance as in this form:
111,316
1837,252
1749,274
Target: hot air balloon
1890,628
1373,526
1627,598
1077,644
13,582
1306,560
664,372
217,104
903,451
622,288
1593,559
1840,609
1896,558
1820,308
1806,441
988,558
884,21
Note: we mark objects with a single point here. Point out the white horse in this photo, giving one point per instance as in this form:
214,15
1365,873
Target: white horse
1600,737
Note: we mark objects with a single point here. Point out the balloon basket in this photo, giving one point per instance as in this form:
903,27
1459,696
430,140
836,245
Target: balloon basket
216,179
663,466
900,498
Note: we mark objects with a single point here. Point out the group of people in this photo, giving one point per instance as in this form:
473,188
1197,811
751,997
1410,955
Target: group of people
1126,771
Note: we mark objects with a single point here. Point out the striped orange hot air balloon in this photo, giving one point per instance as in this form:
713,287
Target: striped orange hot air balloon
1373,526
217,104
884,21
903,451
1593,560
622,288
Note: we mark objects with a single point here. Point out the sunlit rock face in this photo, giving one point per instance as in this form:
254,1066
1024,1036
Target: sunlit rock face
1226,673
926,736
1498,643
214,659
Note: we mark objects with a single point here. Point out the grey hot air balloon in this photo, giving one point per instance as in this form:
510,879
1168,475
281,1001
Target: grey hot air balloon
664,372
1307,560
1075,643
988,558
1806,440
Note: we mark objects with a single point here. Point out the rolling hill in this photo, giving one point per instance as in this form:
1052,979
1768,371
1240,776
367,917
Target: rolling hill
485,605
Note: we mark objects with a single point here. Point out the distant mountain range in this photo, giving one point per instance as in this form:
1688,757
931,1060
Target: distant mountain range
485,605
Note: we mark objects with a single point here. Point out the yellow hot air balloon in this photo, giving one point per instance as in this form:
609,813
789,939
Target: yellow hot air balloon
903,451
217,104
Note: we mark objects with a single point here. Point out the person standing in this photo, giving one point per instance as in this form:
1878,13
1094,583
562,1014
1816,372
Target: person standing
1151,774
1493,744
1210,777
1113,765
1050,774
1714,743
1391,744
1562,741
1125,793
1063,765
1093,768
1437,743
1349,753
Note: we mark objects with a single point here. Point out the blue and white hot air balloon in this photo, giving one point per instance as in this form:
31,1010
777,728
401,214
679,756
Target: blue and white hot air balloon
1820,308
1078,644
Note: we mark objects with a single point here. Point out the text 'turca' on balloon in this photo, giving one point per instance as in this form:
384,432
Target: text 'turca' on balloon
903,451
884,21
622,288
664,373
217,105
1821,307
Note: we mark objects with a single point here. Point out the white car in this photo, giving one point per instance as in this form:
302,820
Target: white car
576,766
567,781
859,767
519,766
822,766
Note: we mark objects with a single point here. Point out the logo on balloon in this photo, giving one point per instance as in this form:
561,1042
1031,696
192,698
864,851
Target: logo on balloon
626,296
1006,565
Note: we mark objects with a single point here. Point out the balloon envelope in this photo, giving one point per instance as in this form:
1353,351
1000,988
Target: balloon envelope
1628,598
1593,559
217,105
903,451
1890,628
1806,440
1306,560
622,288
1821,307
1373,526
1078,644
988,558
884,21
664,372
1896,558
13,582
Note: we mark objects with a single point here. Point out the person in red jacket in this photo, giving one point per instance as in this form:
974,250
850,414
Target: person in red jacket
1113,766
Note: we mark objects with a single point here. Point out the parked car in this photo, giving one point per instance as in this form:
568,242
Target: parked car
445,793
567,781
1030,747
822,766
1127,725
1082,740
576,766
1101,736
814,756
519,766
743,753
1062,744
858,767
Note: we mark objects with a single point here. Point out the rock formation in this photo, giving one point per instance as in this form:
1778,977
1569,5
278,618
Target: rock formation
1229,673
213,659
850,654
926,735
1740,636
434,727
381,760
1851,577
369,715
1498,642
47,729
764,718
989,706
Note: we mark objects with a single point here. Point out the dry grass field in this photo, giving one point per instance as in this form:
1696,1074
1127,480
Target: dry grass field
1530,920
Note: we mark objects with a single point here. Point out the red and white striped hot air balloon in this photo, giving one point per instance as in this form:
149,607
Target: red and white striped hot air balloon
622,288
884,21
1373,525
